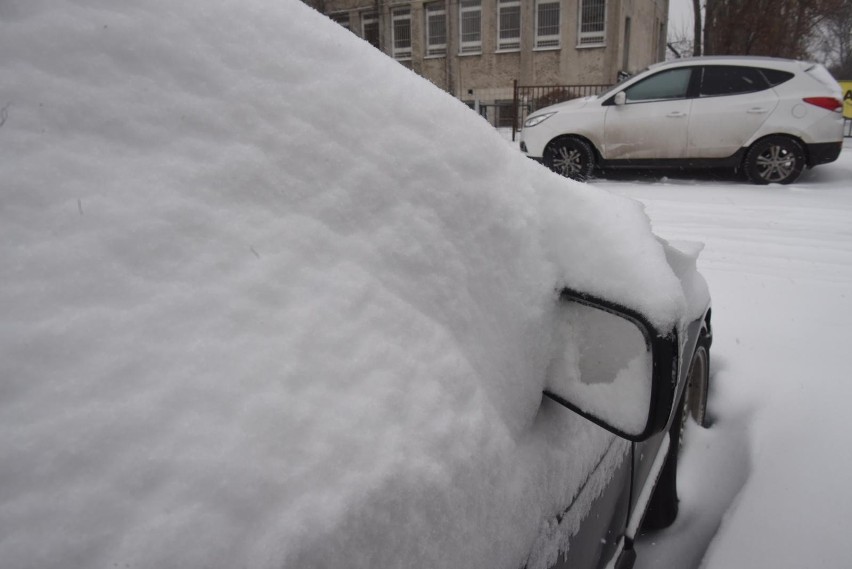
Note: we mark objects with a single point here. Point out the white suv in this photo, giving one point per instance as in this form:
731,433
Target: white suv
768,117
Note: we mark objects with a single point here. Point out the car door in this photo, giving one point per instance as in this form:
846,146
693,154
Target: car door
599,348
653,123
607,491
732,104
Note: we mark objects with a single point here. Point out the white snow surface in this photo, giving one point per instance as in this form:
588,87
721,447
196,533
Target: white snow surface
767,485
271,300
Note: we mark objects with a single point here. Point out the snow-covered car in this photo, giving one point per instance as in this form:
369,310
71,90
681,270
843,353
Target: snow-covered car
769,118
246,324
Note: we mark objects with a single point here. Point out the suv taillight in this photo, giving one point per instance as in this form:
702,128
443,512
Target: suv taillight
829,103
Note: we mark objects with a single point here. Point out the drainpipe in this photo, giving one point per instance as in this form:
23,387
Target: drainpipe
448,66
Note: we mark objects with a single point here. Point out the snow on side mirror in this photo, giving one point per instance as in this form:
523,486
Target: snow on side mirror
611,366
620,98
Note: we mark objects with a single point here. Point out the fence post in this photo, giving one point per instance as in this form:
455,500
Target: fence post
514,109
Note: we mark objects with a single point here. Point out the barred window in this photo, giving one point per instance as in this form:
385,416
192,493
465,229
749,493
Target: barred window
401,18
546,23
341,18
509,24
470,24
370,28
592,22
436,29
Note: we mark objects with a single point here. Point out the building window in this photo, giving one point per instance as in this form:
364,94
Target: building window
401,18
341,18
470,26
592,22
436,29
546,24
509,25
370,28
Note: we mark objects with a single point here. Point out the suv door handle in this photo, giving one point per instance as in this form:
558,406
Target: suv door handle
757,111
676,115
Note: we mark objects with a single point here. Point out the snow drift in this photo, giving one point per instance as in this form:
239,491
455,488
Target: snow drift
270,299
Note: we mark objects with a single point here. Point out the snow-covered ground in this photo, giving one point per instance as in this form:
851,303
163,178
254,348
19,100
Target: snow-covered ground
775,466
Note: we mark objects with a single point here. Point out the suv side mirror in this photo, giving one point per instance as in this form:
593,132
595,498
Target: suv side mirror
612,367
620,98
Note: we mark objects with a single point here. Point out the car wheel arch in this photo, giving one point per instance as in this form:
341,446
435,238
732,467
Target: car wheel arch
572,156
795,136
662,508
557,139
798,147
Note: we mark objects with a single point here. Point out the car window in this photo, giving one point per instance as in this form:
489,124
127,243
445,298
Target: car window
776,77
731,80
671,84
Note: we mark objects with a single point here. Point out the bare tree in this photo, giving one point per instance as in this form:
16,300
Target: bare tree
680,42
780,28
835,39
697,28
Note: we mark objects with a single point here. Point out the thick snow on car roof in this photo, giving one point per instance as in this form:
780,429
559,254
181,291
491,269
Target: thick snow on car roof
272,300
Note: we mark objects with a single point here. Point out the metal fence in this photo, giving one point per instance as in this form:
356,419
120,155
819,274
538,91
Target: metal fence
499,113
529,98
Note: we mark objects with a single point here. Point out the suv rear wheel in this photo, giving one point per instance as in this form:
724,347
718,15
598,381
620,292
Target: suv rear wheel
571,157
775,159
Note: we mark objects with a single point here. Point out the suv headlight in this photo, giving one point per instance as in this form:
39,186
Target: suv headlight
537,119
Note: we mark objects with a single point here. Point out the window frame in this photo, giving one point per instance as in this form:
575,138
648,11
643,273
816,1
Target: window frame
548,41
342,19
512,43
594,38
762,84
400,14
688,93
470,47
430,10
367,19
776,77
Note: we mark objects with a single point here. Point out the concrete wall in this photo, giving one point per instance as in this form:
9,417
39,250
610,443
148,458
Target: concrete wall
489,76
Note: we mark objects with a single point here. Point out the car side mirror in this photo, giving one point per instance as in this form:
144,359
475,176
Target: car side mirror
611,366
620,98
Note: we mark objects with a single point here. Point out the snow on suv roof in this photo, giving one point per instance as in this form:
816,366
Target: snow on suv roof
272,300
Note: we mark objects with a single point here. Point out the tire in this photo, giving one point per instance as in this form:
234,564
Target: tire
663,507
570,157
775,159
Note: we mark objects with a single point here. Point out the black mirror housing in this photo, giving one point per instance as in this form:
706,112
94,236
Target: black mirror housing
589,395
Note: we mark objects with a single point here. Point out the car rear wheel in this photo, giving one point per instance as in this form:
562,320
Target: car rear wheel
775,160
662,510
571,157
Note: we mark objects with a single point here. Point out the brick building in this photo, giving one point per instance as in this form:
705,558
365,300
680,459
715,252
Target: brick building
475,49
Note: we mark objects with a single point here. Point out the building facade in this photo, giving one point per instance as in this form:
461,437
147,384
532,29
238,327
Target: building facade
476,49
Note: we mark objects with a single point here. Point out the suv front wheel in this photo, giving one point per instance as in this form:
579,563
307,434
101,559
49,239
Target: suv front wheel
775,159
571,157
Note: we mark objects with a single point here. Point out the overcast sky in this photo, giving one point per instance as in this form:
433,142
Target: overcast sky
680,17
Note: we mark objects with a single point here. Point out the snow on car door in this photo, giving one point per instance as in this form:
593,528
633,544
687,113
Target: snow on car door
732,105
653,122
